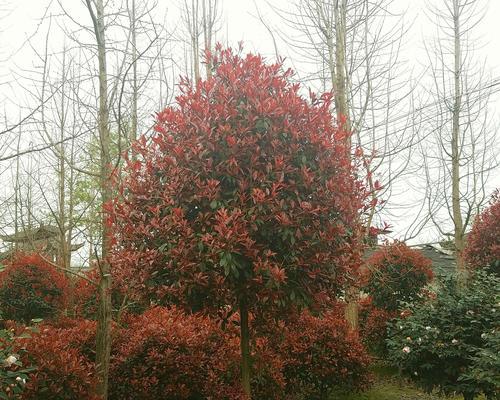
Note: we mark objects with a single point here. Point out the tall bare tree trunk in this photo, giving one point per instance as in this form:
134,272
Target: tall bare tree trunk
342,110
104,317
133,125
17,189
455,157
61,218
195,40
341,103
209,14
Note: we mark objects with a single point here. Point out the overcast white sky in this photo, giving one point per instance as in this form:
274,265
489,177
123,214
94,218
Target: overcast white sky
241,23
22,18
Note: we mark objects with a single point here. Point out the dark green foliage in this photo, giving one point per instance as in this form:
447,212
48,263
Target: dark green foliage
445,343
13,375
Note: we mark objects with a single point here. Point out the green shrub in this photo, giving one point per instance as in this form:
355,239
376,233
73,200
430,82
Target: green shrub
485,369
443,343
13,374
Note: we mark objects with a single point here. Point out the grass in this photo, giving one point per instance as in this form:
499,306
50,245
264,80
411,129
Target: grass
388,386
389,391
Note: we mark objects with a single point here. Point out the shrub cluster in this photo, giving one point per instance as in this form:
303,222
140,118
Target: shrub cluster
62,359
169,355
166,353
450,343
30,288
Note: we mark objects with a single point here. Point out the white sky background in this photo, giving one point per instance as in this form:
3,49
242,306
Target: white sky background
240,24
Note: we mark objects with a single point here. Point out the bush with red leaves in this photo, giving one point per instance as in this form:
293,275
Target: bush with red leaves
396,274
31,287
63,358
166,354
483,241
373,325
84,298
321,355
84,295
169,355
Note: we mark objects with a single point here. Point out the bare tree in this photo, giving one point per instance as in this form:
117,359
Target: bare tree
104,319
459,156
201,20
352,48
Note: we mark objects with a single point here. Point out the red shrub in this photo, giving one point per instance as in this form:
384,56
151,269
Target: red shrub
166,354
319,354
84,295
63,358
483,241
31,287
373,325
396,273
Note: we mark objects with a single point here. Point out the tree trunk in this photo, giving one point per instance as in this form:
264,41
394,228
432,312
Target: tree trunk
351,310
133,123
245,349
339,81
103,335
195,41
341,103
104,316
455,145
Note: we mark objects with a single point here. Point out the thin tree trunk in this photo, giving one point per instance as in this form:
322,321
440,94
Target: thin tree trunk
104,316
245,349
133,125
455,157
195,38
16,190
351,310
207,33
342,109
341,103
62,250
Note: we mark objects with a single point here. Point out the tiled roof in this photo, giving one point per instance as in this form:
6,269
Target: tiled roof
443,261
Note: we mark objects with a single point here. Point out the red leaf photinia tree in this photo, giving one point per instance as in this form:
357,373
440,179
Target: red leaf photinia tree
483,241
244,200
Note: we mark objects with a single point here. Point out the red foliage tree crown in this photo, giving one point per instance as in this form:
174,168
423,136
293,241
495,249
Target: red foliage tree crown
245,191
